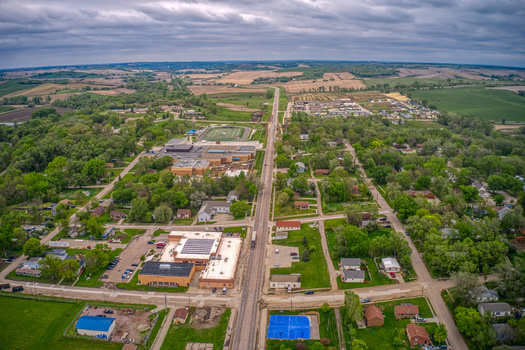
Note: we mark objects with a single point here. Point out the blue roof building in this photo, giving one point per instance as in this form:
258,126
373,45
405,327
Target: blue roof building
100,327
191,132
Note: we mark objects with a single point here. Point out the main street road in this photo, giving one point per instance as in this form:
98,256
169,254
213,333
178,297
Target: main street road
245,335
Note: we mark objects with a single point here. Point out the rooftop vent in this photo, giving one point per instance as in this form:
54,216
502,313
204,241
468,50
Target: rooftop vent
165,266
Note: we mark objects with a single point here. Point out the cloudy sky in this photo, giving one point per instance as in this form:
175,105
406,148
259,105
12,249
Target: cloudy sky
59,32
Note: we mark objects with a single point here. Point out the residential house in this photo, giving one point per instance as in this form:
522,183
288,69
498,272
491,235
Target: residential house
116,215
331,144
322,172
350,263
495,309
183,213
353,276
32,263
417,335
427,194
233,196
65,202
302,205
58,253
287,225
281,235
301,168
210,208
180,316
366,219
406,311
482,294
28,272
390,265
504,331
98,211
504,211
107,202
303,137
285,281
373,316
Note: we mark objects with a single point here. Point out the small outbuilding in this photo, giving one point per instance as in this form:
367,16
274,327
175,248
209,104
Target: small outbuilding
99,327
180,316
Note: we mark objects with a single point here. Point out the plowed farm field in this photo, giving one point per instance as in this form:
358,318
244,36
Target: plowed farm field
341,80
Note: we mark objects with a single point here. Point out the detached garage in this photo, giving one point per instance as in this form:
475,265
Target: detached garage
99,327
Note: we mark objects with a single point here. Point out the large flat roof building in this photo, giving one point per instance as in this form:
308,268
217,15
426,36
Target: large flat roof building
166,274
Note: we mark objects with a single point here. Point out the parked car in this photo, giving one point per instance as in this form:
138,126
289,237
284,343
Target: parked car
393,274
104,276
421,319
276,251
220,228
214,290
367,300
308,292
109,311
135,264
58,239
388,226
295,257
207,229
216,229
125,276
224,291
382,218
407,233
151,242
294,254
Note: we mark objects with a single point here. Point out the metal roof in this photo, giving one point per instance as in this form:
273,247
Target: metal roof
94,323
167,269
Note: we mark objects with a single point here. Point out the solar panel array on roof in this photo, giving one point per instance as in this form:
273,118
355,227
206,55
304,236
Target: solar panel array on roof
198,246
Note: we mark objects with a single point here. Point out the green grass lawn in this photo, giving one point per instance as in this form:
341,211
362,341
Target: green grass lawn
179,335
327,329
93,281
226,114
133,285
257,135
378,279
182,221
259,161
30,324
224,134
5,109
314,274
159,232
131,232
487,104
382,337
246,99
289,210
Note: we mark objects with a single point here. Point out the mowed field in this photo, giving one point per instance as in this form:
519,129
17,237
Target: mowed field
224,134
488,104
218,89
341,80
30,324
246,77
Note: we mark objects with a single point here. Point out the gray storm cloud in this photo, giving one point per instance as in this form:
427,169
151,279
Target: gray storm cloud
41,33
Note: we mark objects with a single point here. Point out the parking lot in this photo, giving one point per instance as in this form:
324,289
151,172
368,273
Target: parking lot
130,255
283,258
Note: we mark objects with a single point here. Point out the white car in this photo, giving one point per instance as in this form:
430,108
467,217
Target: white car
207,229
125,276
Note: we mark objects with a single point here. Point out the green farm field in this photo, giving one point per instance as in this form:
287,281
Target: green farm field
15,86
487,104
224,134
246,99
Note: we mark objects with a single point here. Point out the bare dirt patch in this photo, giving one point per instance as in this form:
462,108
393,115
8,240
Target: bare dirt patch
114,92
237,107
205,318
397,96
136,323
217,89
45,89
519,243
507,126
247,77
341,80
515,89
24,114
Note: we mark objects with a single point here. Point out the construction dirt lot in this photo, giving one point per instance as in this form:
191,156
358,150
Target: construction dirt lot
207,317
130,321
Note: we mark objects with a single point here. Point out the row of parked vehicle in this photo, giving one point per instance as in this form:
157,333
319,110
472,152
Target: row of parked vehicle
127,274
113,264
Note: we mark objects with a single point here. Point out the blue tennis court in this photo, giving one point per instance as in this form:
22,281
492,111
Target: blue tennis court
289,327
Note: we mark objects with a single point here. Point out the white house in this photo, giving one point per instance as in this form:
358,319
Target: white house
287,225
303,137
233,196
301,168
99,327
495,309
350,263
285,281
353,276
483,294
210,208
332,144
391,265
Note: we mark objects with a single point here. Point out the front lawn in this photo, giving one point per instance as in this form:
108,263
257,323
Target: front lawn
179,335
131,232
133,285
378,279
314,274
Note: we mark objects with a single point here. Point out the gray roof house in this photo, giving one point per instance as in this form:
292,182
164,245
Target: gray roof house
301,168
210,208
350,263
495,309
482,294
504,211
353,276
504,331
58,253
233,195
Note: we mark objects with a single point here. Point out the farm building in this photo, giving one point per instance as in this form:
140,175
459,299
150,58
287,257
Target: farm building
100,327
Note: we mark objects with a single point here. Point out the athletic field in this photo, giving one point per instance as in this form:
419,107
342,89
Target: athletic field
224,134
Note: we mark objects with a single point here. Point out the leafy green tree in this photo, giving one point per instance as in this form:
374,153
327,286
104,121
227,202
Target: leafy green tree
163,214
404,180
94,168
167,179
196,198
440,334
469,192
496,183
95,259
422,183
139,210
69,269
405,205
498,199
180,199
359,344
6,237
353,307
33,247
305,240
51,267
95,226
317,346
325,308
380,172
306,256
240,208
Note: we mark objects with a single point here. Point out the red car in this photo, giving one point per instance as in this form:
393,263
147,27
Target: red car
393,274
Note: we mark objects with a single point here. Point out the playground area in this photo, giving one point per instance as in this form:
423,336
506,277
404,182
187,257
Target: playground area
289,327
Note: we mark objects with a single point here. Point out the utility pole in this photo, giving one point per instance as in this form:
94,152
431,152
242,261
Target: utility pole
165,302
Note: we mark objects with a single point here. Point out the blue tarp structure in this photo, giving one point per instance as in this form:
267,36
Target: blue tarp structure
94,323
289,327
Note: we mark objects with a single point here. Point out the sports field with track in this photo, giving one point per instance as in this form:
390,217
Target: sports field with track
224,134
